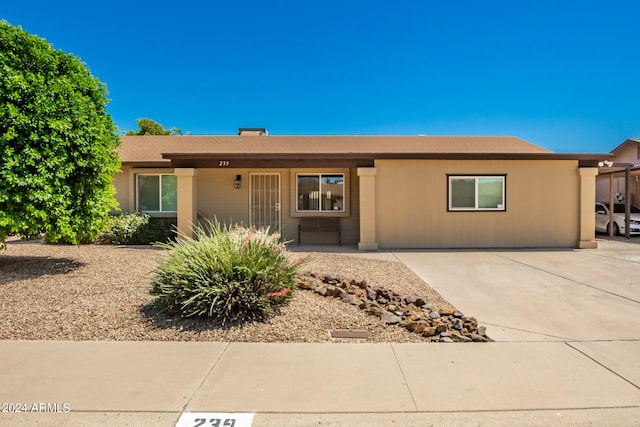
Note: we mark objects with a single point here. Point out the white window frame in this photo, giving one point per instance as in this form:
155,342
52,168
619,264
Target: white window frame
500,208
137,189
320,210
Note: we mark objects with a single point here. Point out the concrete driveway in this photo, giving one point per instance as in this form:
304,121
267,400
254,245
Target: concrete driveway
540,295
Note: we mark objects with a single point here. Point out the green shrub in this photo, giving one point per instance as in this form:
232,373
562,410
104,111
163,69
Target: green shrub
225,274
58,143
137,229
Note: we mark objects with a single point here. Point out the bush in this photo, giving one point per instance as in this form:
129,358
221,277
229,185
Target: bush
137,229
58,144
226,274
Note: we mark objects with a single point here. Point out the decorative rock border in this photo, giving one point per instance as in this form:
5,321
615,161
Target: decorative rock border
441,324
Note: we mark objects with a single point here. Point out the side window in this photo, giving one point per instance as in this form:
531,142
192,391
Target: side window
476,193
157,193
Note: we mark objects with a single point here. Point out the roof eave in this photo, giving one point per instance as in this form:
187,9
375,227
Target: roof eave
387,155
147,164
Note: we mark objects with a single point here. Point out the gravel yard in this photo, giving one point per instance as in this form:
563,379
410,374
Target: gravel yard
97,292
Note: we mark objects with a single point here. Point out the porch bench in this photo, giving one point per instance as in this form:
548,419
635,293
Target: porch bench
308,224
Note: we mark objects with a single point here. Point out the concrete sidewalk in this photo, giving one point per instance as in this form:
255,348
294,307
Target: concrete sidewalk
152,383
567,325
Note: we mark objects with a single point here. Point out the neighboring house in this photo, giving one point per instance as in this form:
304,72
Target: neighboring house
387,191
611,180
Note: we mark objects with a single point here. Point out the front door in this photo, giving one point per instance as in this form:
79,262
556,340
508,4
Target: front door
264,202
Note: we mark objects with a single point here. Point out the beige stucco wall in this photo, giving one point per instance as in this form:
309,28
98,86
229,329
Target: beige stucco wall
121,183
217,197
542,199
542,205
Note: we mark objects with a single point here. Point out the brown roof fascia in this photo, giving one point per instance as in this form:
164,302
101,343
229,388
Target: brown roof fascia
151,164
373,156
234,156
252,163
495,156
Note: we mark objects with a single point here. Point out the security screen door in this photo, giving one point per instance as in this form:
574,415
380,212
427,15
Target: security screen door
264,202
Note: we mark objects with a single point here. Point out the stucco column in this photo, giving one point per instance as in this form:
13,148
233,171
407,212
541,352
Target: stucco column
587,204
187,200
367,178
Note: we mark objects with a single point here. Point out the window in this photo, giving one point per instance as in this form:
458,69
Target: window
481,193
320,192
157,193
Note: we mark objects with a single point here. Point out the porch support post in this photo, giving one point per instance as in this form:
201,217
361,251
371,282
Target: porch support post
612,201
187,200
367,178
587,204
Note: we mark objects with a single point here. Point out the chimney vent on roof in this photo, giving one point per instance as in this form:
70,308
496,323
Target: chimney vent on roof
253,132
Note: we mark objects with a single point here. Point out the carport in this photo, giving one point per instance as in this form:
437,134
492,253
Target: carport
627,176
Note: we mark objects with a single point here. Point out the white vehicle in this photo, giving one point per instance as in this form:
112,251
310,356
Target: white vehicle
602,219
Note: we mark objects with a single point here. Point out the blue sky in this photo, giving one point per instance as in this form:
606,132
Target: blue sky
561,74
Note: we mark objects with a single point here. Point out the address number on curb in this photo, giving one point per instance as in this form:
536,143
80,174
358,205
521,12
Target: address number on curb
215,419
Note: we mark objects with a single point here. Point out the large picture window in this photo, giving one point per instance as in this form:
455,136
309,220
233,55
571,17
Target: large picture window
481,193
320,192
157,193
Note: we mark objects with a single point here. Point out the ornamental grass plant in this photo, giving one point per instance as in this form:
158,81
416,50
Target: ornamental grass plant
226,274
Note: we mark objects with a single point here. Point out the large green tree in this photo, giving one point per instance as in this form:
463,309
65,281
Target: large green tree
57,142
151,127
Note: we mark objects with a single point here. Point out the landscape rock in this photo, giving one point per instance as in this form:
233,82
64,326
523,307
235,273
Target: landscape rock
429,331
346,297
461,338
375,310
477,338
332,291
390,318
409,300
446,311
441,324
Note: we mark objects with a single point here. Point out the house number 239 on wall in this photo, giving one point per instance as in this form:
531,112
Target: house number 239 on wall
223,163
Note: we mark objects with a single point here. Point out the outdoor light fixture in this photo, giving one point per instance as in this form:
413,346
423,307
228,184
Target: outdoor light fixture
605,163
237,182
